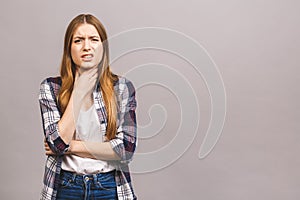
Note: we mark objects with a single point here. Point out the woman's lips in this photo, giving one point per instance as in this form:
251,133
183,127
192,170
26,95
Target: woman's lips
87,57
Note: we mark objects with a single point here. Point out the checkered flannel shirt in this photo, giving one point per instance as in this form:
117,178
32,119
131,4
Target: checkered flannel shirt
123,144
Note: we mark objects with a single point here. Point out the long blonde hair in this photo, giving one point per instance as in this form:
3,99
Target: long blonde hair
107,78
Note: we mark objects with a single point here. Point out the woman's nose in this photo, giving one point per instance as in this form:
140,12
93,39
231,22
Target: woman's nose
87,45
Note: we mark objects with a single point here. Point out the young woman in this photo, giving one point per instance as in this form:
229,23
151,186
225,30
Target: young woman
89,120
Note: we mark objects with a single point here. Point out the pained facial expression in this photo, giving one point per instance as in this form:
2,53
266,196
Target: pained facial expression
86,47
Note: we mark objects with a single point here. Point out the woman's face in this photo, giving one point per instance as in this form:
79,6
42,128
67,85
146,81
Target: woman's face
86,47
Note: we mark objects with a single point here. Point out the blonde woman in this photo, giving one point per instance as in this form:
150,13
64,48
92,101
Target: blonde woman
89,120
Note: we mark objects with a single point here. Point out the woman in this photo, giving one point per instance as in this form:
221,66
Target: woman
89,120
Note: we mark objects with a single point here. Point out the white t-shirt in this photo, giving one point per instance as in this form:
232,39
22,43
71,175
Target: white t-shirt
87,129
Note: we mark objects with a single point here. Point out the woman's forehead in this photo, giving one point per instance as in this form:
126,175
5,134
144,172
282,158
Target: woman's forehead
86,30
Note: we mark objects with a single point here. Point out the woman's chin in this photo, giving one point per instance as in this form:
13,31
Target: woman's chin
87,66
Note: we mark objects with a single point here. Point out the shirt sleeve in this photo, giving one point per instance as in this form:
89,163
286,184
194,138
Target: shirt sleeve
50,118
125,142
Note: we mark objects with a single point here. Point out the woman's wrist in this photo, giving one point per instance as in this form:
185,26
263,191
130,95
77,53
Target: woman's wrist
71,147
74,146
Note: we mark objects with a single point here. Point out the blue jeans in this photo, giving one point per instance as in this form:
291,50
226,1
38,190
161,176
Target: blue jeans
84,187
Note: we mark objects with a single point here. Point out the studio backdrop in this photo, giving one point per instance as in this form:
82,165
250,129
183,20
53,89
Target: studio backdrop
216,85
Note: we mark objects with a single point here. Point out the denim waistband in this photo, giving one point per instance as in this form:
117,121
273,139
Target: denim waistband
84,177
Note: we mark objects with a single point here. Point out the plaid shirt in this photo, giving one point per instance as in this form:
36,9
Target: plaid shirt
124,144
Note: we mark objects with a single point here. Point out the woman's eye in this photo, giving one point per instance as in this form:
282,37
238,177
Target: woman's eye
95,40
77,41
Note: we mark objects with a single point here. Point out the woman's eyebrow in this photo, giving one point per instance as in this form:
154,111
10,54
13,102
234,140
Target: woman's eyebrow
78,37
81,37
94,36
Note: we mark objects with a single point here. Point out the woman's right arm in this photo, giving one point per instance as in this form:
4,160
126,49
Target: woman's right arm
59,130
56,135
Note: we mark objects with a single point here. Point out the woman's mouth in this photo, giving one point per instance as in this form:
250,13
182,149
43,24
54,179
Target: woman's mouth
87,57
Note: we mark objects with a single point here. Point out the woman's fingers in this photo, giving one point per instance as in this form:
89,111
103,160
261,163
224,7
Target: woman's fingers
48,151
105,139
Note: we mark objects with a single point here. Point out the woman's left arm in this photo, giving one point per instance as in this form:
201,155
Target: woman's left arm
94,150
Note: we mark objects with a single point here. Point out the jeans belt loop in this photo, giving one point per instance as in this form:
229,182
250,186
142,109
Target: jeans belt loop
74,177
95,178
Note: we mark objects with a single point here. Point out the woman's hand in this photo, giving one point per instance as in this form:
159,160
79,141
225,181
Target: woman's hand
48,151
85,81
84,84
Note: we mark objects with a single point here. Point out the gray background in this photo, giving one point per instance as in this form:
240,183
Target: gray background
256,46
